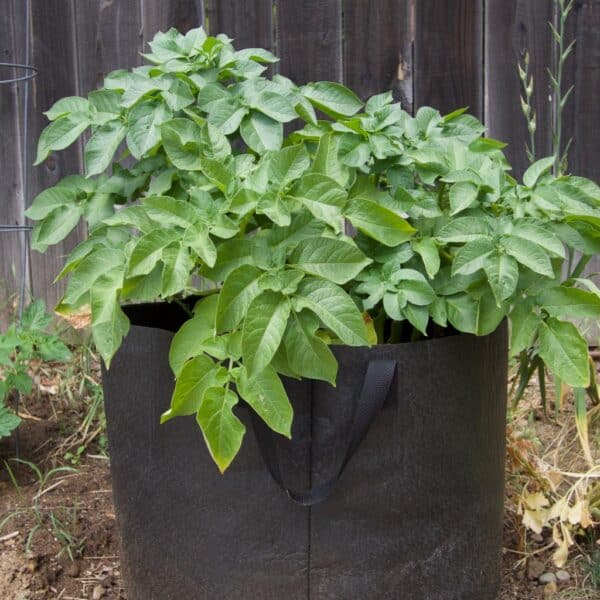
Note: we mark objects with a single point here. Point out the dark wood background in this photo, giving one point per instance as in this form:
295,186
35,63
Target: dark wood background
444,53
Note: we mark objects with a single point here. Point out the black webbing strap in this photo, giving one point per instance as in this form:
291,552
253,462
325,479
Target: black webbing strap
378,380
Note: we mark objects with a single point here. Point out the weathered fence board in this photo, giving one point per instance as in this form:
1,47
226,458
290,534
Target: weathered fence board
513,27
378,39
54,53
248,22
444,54
11,189
448,71
309,39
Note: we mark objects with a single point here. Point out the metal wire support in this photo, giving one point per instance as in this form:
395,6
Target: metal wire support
24,72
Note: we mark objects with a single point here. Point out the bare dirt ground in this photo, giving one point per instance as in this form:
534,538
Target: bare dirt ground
59,538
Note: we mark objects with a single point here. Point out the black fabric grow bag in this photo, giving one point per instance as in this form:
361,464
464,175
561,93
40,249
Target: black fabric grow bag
417,513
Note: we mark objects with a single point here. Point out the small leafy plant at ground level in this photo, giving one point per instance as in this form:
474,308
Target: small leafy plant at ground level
20,344
446,239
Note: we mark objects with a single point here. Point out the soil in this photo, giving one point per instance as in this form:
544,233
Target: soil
34,550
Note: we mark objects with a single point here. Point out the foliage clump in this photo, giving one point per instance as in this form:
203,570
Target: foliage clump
213,199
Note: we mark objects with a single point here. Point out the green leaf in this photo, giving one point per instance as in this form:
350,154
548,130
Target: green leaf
334,307
322,196
276,106
503,275
60,134
181,141
565,352
536,170
333,98
230,255
529,254
193,379
524,323
414,287
264,325
266,395
238,291
418,317
49,200
64,106
222,430
190,338
85,274
178,265
378,222
9,421
274,207
479,316
101,147
109,323
326,160
288,164
55,227
261,133
464,229
226,115
148,251
330,258
471,257
145,120
541,236
198,239
572,302
179,95
214,143
308,353
462,196
426,248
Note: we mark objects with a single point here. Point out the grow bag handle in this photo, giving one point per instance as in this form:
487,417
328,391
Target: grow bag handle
375,389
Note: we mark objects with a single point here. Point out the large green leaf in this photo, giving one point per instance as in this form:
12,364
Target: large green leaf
562,301
479,316
333,259
334,307
471,257
60,134
101,147
309,355
145,120
266,395
190,338
288,164
222,430
462,195
503,275
49,200
542,236
177,269
194,378
261,133
181,140
536,170
109,323
264,326
427,249
464,229
414,287
524,325
565,352
378,222
529,254
148,251
333,98
8,419
322,196
55,227
236,295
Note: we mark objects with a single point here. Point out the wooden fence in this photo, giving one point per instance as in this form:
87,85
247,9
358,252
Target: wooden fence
444,53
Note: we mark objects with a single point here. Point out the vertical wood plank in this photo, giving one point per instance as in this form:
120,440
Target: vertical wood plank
511,28
309,40
248,22
580,118
582,70
54,54
108,38
161,15
12,42
449,55
378,38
